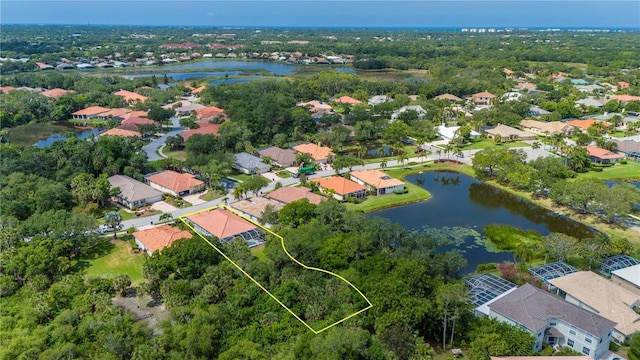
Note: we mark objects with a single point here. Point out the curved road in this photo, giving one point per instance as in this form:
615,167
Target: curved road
151,147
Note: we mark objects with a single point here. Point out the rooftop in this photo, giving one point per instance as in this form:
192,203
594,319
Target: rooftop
533,307
177,182
221,223
317,152
208,113
281,156
376,178
256,205
92,110
290,194
160,237
130,96
204,129
340,185
630,274
132,189
610,264
551,271
347,100
121,133
607,298
56,93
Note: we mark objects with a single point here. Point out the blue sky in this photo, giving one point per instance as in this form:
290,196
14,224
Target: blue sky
330,13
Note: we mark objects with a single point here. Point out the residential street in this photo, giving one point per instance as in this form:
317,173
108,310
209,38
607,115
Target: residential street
151,148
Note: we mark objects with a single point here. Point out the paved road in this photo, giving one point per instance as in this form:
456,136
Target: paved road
151,148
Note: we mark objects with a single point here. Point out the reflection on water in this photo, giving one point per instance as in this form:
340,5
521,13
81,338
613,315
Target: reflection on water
461,202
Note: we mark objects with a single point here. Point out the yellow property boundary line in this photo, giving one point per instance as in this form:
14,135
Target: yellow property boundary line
370,305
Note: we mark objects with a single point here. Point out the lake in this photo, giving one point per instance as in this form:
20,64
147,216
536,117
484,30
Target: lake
461,207
213,68
55,137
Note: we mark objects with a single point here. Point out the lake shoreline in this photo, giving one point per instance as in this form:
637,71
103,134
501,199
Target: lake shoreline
586,220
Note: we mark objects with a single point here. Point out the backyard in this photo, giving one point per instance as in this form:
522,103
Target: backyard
630,170
120,259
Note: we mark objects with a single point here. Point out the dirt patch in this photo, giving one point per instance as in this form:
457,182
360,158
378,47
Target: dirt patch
145,308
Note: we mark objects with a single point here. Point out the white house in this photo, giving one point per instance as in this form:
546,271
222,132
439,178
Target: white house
377,181
554,321
417,108
450,133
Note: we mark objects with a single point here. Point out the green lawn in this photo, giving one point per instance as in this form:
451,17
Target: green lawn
176,154
284,174
630,170
490,143
258,252
212,195
121,260
244,177
373,203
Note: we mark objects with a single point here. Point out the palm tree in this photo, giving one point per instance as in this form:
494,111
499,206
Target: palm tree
383,163
113,219
238,192
535,145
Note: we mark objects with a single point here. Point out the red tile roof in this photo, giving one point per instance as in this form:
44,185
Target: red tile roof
625,98
290,194
137,113
209,113
177,182
121,133
130,96
197,90
340,185
56,93
585,124
484,94
221,223
118,112
347,100
602,153
204,129
92,110
623,84
160,237
316,152
376,178
6,89
137,120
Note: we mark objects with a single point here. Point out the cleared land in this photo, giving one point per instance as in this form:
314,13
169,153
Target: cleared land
121,260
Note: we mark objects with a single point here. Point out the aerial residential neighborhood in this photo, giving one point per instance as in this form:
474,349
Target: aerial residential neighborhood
242,192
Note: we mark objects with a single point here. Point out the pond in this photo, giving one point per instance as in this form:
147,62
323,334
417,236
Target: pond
55,137
236,80
461,207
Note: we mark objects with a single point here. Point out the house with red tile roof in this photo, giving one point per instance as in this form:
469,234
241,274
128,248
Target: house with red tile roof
130,97
121,133
585,124
56,93
341,188
623,85
348,100
208,113
226,226
449,97
377,181
44,66
254,207
603,156
507,71
158,238
625,98
91,112
198,90
316,107
482,98
116,114
136,113
174,183
289,194
204,129
6,89
320,154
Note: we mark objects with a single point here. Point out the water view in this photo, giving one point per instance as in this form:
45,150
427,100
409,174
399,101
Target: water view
56,137
461,207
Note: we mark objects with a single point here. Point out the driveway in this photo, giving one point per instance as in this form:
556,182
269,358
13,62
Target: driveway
194,199
163,206
271,176
151,148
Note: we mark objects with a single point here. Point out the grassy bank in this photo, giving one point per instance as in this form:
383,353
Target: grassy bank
630,170
373,203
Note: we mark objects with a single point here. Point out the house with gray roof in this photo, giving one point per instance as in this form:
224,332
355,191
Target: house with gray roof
250,164
417,108
133,193
378,99
554,321
280,157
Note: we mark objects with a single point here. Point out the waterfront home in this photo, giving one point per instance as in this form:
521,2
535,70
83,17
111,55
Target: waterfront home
628,278
603,156
130,97
121,133
599,295
450,133
91,112
554,321
377,181
341,188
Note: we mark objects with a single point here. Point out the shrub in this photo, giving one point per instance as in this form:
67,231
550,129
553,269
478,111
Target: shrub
482,268
623,161
412,163
400,192
596,169
546,350
353,200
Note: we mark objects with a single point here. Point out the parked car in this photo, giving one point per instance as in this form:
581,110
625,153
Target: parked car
109,228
